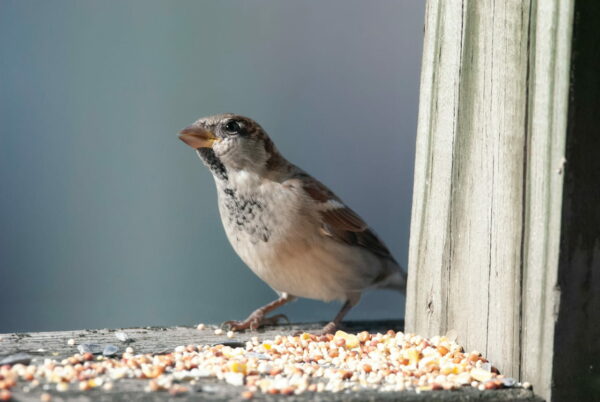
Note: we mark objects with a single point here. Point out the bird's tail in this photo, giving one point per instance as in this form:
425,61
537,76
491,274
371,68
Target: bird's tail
395,281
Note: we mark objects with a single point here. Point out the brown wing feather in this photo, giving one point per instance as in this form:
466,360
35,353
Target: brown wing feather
344,218
342,223
365,238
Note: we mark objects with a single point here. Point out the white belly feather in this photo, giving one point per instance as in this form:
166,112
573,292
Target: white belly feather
287,251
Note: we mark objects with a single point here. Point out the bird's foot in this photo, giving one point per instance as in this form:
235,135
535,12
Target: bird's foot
255,321
329,328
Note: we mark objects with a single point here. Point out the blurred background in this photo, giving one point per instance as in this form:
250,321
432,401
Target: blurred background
108,220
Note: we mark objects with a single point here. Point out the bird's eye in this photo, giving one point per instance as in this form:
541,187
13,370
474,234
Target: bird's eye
233,126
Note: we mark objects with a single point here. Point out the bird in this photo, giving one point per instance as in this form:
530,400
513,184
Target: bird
291,230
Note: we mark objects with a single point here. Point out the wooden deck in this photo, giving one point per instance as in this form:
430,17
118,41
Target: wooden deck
54,345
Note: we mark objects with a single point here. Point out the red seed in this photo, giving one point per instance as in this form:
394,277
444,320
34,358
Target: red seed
491,385
287,391
346,375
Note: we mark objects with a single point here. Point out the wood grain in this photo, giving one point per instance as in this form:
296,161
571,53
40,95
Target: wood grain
488,186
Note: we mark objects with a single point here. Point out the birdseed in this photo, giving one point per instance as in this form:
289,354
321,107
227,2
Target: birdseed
92,348
285,365
110,350
123,337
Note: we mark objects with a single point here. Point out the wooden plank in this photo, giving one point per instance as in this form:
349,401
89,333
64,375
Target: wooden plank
487,204
54,345
468,188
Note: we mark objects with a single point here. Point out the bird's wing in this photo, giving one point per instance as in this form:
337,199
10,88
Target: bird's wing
340,222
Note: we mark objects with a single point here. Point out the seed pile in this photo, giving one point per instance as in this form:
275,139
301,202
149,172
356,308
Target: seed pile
285,365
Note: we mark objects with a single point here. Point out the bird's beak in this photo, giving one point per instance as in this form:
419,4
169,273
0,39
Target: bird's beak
197,137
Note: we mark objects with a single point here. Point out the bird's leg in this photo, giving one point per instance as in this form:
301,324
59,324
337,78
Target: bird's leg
332,326
257,319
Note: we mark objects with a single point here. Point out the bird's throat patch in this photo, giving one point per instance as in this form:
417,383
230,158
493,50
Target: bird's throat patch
214,164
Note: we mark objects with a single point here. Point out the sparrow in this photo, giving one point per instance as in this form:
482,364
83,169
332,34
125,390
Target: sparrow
291,230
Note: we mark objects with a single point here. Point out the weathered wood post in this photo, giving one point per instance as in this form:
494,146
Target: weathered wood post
505,232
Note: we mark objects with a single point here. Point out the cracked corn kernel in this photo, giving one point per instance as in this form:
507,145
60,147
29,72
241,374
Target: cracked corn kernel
238,367
62,387
480,374
413,356
343,339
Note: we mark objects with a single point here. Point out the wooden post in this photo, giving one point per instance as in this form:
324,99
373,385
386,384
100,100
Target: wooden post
494,254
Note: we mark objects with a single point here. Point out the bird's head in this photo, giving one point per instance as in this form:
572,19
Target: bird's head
237,141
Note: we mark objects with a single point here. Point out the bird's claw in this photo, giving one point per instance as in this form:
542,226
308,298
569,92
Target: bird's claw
329,328
234,325
254,322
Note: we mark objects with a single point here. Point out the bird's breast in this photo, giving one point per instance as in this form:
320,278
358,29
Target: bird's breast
245,218
261,223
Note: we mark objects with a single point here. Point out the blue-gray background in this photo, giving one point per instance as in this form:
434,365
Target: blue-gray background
108,220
